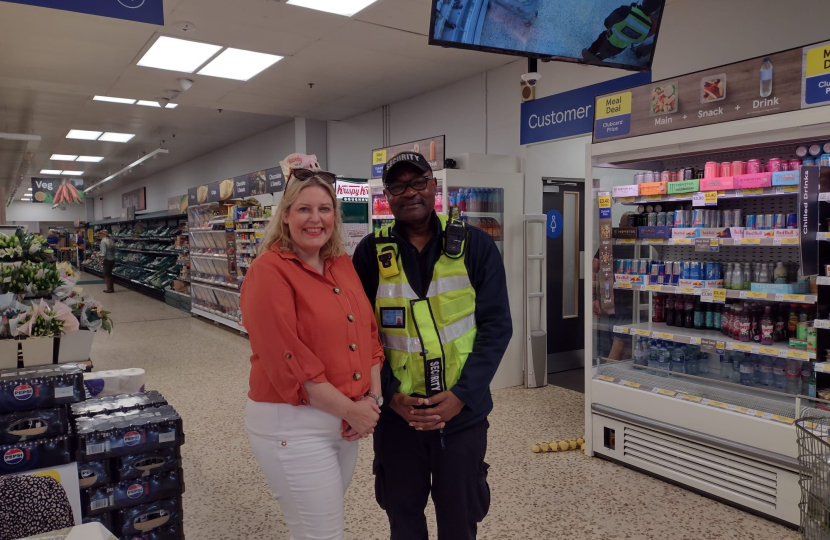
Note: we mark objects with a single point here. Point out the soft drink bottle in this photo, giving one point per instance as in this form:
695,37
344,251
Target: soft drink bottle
766,78
779,373
767,327
747,371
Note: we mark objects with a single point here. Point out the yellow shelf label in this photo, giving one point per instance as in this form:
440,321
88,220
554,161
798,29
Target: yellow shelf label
742,347
623,285
768,351
644,333
789,241
721,193
750,241
718,404
789,189
760,413
625,241
664,335
794,298
659,241
657,288
682,241
720,345
785,419
654,197
627,199
259,234
757,295
719,295
604,201
687,290
632,384
670,393
710,197
800,355
696,399
606,378
753,191
694,341
742,410
229,224
625,330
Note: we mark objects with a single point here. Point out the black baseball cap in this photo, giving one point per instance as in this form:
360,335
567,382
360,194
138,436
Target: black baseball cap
396,163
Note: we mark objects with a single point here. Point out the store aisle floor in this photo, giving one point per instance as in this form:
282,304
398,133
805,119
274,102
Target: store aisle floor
203,371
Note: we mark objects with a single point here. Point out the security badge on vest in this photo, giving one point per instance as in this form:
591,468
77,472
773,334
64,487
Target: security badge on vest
426,340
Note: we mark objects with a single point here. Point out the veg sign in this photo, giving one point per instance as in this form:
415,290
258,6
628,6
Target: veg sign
57,190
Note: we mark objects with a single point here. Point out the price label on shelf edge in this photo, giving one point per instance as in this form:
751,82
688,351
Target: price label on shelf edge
710,198
753,191
719,296
707,295
699,199
755,295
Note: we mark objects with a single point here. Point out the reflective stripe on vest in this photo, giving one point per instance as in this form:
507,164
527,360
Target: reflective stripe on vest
631,30
428,344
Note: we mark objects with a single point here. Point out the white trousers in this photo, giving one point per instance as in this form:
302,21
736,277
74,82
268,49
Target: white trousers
307,463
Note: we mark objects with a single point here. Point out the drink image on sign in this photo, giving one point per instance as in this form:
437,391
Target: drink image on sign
766,78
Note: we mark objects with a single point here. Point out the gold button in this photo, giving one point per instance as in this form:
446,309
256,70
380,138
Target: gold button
284,443
337,290
288,356
353,346
350,317
357,376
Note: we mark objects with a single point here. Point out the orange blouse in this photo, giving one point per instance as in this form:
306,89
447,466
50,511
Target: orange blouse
304,326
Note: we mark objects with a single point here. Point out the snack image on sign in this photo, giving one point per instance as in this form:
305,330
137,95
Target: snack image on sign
664,99
201,194
256,183
713,88
605,231
225,189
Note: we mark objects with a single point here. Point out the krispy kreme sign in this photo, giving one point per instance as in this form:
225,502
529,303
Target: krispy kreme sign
352,192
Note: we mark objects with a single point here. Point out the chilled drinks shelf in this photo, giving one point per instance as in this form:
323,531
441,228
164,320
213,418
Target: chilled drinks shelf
743,295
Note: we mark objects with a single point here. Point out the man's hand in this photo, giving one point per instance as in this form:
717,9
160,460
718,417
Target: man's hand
405,406
447,407
597,309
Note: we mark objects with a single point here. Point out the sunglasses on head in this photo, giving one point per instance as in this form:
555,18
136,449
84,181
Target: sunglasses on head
304,174
418,184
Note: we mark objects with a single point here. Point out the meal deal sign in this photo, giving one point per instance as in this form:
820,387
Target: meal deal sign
777,83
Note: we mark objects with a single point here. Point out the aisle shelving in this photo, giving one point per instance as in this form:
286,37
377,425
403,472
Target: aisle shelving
743,295
774,191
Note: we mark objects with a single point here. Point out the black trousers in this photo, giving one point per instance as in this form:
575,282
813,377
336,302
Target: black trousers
410,464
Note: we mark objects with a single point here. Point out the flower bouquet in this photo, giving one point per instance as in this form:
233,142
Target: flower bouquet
24,245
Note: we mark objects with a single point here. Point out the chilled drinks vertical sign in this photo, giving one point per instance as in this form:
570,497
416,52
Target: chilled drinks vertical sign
808,219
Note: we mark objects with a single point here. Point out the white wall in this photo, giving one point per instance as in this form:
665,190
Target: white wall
252,154
350,143
28,211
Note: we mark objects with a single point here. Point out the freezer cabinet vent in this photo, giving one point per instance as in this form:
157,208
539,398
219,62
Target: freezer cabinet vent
653,450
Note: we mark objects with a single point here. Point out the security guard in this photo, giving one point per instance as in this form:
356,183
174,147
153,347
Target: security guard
627,26
440,297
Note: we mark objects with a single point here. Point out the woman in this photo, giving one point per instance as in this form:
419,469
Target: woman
315,367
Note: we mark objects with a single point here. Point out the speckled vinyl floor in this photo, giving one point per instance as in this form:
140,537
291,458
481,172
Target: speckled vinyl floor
203,371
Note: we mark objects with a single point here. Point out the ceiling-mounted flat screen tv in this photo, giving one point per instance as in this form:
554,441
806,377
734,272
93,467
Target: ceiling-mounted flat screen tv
599,32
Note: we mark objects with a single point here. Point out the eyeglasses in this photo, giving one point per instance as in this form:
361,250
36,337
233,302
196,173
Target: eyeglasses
304,174
418,184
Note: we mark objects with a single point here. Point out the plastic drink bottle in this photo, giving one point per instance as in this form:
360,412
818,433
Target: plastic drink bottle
793,377
747,371
678,360
767,327
725,366
664,360
766,78
692,363
767,378
745,325
653,356
780,273
747,275
779,373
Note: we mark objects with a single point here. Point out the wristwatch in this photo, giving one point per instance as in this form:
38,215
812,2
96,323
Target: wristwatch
376,397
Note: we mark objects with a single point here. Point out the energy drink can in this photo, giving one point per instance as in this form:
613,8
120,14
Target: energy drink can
679,218
795,164
753,166
769,222
626,267
665,176
727,218
792,221
711,169
652,219
808,161
726,168
661,219
638,178
738,168
750,222
780,221
697,218
642,267
696,270
648,177
709,270
661,274
675,273
688,174
618,266
774,165
632,220
654,273
669,219
737,217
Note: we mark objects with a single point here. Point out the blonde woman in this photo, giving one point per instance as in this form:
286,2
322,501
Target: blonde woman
315,368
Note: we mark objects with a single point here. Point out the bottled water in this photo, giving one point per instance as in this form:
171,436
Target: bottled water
793,377
736,368
767,378
725,366
747,371
653,357
779,373
766,78
664,360
702,363
678,360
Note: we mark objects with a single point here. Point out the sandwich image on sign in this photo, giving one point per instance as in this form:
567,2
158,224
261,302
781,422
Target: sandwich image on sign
201,194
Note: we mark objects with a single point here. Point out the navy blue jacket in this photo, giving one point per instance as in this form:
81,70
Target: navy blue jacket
495,328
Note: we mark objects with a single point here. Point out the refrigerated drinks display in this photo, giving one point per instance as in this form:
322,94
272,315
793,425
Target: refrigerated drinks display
708,344
382,215
482,208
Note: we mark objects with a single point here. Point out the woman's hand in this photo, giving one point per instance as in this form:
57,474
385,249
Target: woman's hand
362,417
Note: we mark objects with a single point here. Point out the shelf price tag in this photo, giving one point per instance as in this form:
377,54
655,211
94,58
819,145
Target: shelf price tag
694,341
707,295
799,355
822,367
657,288
756,295
794,298
742,347
719,296
699,199
631,384
682,241
722,193
229,226
750,241
604,201
753,191
718,404
658,241
664,392
783,419
627,199
628,241
768,351
822,323
688,290
623,285
789,241
644,333
742,410
787,189
606,378
665,336
696,399
652,198
710,198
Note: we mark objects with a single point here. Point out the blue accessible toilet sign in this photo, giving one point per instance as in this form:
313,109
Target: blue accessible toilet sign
554,226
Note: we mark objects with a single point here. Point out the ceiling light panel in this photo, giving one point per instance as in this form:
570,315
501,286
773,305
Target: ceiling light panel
49,171
146,103
238,64
114,99
338,7
72,173
83,135
116,137
90,159
171,105
178,54
63,157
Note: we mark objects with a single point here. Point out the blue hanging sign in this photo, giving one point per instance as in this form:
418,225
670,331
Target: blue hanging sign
143,11
570,113
555,224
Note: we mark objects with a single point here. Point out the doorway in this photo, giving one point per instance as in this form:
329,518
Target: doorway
562,203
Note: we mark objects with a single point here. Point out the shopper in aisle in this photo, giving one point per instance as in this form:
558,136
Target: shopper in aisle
315,369
52,239
107,256
440,296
